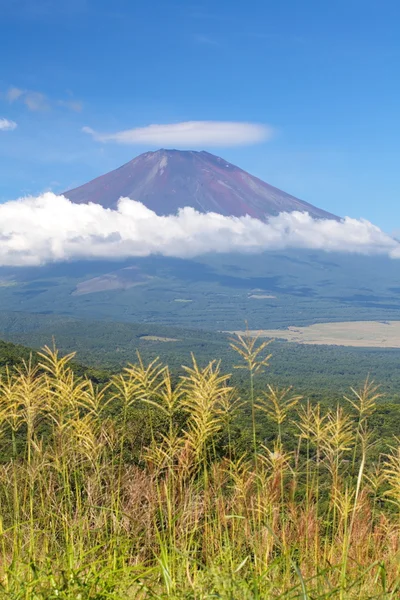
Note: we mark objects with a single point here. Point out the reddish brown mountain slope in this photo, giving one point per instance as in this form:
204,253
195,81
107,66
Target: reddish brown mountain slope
167,180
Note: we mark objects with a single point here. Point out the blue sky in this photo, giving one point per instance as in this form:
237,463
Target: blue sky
322,75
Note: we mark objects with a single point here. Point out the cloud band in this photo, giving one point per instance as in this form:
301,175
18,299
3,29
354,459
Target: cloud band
49,228
189,134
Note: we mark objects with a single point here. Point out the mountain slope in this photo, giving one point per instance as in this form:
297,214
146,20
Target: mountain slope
167,180
215,292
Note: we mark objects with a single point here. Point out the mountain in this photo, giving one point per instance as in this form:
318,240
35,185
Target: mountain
167,180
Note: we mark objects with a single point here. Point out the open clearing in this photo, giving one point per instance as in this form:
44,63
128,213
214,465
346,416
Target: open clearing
367,334
156,338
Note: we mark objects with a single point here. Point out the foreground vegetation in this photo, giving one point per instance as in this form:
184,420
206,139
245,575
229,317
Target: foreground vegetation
144,488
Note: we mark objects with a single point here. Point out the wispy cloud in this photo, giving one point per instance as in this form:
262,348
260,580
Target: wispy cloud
205,39
212,16
189,134
13,93
40,9
37,101
7,125
49,228
74,105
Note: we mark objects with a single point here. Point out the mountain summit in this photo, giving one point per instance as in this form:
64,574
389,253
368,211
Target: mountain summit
167,180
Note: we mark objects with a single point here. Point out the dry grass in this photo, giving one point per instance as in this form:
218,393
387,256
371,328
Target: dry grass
77,520
367,334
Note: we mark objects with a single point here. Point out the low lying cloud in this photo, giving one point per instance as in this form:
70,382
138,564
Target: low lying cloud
49,228
7,125
189,134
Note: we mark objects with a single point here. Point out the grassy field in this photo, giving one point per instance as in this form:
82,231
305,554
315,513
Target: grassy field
361,334
97,503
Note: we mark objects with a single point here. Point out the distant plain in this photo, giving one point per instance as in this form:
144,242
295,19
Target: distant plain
360,334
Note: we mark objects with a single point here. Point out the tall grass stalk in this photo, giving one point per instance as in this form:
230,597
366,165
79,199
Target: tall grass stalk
190,515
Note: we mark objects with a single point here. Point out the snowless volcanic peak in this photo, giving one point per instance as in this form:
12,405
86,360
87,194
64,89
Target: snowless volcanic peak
167,180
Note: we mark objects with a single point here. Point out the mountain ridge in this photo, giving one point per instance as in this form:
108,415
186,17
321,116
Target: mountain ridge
166,180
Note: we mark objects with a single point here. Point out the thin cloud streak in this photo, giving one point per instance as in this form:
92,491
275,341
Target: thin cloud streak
189,134
49,228
205,40
39,102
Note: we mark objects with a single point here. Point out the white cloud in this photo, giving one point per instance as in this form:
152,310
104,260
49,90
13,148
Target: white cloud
7,125
189,134
50,228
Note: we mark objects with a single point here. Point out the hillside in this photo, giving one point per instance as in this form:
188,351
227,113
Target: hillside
17,356
271,290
